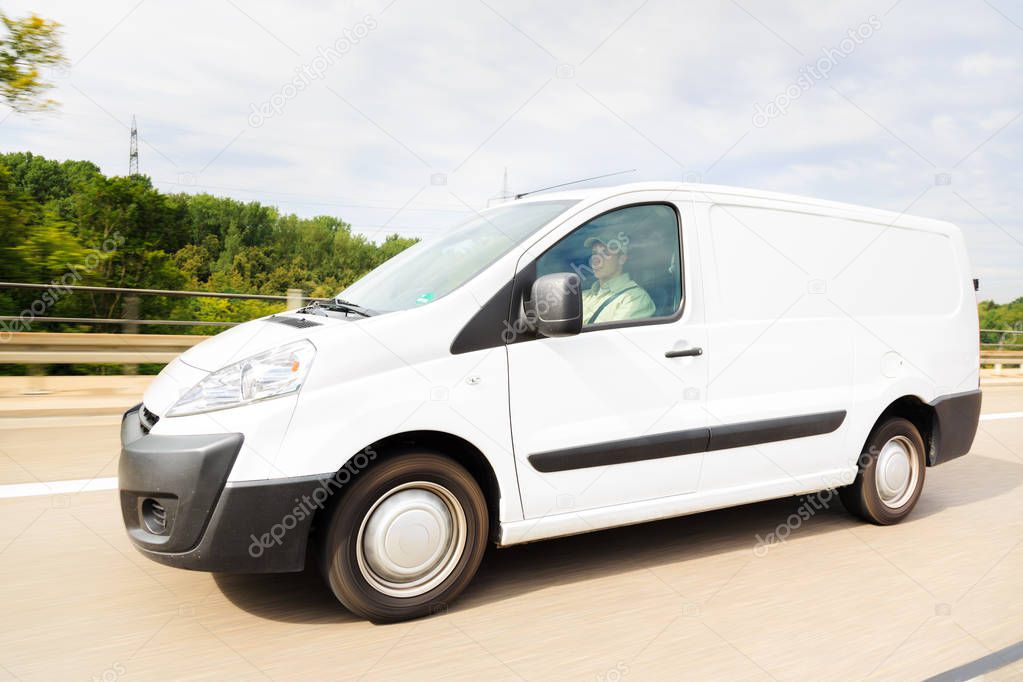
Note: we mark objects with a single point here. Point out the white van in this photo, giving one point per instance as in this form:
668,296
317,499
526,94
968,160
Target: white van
557,365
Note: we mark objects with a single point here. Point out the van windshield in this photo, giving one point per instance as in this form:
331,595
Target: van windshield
430,269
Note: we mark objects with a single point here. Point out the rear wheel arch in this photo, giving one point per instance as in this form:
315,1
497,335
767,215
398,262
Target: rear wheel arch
922,415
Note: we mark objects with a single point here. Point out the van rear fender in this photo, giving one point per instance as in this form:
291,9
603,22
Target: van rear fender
948,423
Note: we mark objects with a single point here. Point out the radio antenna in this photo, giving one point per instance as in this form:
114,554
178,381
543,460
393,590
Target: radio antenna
574,182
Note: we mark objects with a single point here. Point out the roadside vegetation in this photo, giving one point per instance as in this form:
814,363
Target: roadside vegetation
67,223
1007,316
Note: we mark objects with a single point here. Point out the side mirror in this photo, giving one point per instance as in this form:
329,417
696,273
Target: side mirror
555,307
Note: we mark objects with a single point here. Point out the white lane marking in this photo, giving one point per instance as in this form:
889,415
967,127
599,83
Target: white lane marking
85,485
1000,415
81,485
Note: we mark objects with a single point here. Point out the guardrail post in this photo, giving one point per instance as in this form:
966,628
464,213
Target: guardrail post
130,311
295,298
36,381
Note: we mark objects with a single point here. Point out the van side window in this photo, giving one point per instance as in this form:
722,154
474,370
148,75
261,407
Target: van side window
629,260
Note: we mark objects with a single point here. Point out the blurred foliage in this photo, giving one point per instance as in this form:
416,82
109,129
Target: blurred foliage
1007,316
29,44
65,223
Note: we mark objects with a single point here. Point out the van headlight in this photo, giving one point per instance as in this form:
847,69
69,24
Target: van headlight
270,374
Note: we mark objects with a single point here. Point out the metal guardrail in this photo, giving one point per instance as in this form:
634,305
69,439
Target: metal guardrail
152,292
1000,358
43,348
989,356
1000,345
131,304
118,320
294,299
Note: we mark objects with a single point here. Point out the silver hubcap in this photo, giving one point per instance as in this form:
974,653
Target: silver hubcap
897,472
411,540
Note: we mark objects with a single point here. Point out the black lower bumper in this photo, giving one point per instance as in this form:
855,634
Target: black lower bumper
956,417
179,509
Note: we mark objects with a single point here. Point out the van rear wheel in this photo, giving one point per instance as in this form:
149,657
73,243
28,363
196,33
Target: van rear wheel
406,538
890,474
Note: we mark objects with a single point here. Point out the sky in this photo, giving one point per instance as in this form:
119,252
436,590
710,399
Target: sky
403,116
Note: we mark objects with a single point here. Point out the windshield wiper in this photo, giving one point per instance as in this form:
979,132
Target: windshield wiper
335,305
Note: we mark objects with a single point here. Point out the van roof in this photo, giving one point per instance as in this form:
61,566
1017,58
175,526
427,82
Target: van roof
595,194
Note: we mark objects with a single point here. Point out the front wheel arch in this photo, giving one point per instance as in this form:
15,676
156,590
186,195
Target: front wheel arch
456,448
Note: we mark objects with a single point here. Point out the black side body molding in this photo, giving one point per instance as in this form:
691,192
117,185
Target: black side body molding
687,442
622,451
769,430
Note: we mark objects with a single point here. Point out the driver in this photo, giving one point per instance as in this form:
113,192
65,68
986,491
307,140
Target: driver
614,296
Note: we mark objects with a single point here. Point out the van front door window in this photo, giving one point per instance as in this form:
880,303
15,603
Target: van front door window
628,261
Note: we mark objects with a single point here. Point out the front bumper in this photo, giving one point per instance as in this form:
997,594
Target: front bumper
179,509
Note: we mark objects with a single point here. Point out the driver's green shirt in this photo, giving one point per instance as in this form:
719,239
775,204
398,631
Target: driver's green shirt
633,304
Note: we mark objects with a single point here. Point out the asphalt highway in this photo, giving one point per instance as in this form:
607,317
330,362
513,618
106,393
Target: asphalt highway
699,597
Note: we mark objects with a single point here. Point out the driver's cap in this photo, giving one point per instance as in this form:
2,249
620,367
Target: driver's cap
616,242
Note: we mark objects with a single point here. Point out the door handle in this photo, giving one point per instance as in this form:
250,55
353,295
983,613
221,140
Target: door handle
684,353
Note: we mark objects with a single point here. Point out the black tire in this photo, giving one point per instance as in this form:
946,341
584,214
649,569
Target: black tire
863,497
354,584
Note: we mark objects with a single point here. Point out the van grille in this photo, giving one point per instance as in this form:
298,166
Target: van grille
297,322
147,419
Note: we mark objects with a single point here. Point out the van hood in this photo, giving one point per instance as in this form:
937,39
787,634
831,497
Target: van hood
253,337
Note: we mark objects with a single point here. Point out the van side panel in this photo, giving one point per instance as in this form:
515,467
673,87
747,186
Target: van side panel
916,336
834,308
778,348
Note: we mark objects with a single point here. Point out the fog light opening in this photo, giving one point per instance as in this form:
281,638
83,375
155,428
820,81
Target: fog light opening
154,516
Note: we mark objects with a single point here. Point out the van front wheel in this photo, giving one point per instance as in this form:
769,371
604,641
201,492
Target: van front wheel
406,538
890,474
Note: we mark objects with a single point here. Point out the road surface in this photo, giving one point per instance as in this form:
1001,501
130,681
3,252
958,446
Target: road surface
695,598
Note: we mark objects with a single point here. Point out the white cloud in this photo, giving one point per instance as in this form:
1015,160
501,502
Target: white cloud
986,64
454,83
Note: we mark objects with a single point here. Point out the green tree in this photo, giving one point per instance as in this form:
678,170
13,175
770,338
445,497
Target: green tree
133,230
1005,316
31,44
44,179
